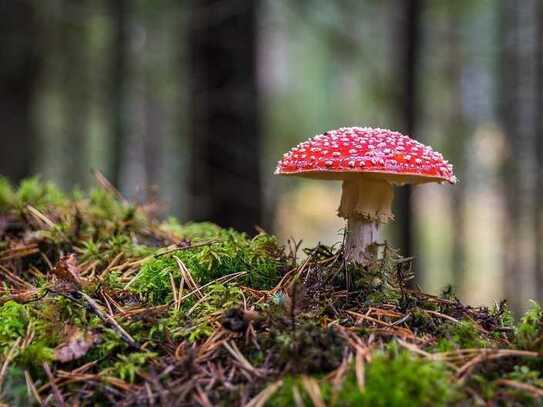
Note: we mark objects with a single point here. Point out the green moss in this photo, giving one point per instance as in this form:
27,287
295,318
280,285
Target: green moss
154,280
392,378
104,251
523,374
528,333
109,345
289,334
421,321
128,366
292,392
260,258
487,385
14,391
397,378
460,335
305,348
52,314
105,206
41,195
102,217
192,321
35,354
382,281
195,231
7,194
14,319
504,319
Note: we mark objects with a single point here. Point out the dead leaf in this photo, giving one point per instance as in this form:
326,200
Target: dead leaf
68,270
76,344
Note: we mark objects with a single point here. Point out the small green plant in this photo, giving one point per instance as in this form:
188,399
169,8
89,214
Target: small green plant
460,335
154,280
41,195
13,322
7,195
293,393
193,321
128,366
194,231
528,333
488,385
105,206
106,250
398,378
35,354
14,390
393,378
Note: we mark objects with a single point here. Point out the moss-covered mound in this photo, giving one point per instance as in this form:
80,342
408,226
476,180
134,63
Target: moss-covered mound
102,305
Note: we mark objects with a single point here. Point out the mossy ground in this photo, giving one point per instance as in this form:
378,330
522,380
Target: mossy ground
100,304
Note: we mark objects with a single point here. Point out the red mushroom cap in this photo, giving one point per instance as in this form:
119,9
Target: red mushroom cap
380,153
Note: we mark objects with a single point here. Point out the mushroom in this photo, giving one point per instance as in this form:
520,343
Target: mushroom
370,162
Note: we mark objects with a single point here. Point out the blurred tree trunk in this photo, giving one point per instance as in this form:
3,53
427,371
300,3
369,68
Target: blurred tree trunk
154,114
538,223
75,74
518,115
409,42
118,73
456,142
20,66
152,141
225,184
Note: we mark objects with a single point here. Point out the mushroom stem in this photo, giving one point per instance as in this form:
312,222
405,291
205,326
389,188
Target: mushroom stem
368,199
365,203
360,234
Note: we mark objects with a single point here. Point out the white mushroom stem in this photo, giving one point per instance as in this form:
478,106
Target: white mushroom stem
365,203
360,235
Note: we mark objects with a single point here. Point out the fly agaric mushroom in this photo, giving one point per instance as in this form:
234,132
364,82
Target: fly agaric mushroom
370,162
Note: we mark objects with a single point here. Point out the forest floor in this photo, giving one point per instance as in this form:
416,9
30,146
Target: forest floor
101,304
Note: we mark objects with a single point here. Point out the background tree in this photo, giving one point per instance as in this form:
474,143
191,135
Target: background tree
75,64
119,10
408,40
538,216
225,185
457,137
19,71
518,112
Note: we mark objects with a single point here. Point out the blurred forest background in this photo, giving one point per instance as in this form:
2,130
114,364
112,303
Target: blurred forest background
192,103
